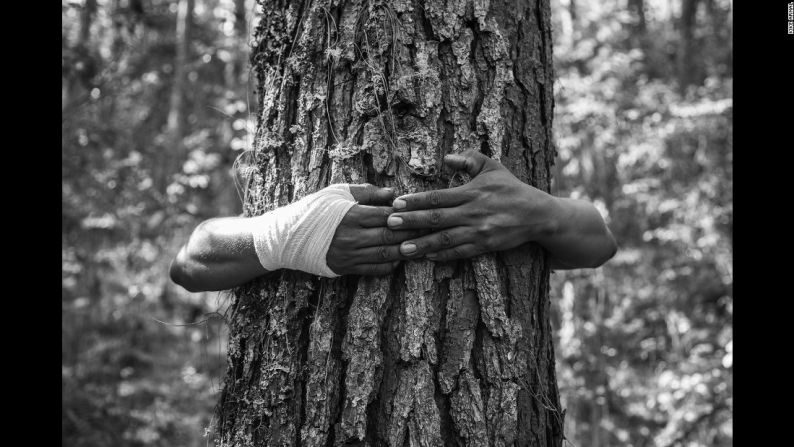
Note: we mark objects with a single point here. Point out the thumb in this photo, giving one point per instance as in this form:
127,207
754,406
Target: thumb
367,194
471,161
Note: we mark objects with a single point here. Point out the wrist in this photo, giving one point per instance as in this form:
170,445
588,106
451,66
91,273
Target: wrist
297,236
548,215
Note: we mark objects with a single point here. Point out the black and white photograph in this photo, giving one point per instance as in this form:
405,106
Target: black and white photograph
398,222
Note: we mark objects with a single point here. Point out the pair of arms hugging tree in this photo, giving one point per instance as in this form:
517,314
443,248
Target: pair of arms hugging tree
373,231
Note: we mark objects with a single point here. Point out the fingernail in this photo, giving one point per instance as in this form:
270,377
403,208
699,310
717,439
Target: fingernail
394,221
398,204
407,248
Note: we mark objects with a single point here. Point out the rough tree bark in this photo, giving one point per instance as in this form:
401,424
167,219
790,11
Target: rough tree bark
456,353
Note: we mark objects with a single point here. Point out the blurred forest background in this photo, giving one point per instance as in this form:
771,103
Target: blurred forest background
157,105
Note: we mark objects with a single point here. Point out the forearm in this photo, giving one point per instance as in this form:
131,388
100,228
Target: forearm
219,255
579,237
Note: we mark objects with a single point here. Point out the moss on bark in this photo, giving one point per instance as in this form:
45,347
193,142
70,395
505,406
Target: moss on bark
453,353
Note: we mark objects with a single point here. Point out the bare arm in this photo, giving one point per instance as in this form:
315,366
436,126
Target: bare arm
496,211
220,253
580,238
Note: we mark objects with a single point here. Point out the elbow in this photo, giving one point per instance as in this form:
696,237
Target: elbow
188,269
610,249
180,273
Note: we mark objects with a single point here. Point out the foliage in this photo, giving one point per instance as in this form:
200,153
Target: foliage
133,373
644,343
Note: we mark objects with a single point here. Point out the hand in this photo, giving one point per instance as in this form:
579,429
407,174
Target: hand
494,211
362,244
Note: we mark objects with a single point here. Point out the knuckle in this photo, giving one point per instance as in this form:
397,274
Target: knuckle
434,217
485,229
383,252
434,198
353,214
344,239
376,270
456,253
387,236
469,163
445,239
471,194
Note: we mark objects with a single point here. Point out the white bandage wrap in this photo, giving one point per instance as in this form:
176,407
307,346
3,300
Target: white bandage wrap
297,236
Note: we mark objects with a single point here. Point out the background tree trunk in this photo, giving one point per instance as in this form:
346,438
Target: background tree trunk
638,8
235,78
75,85
456,353
173,152
687,68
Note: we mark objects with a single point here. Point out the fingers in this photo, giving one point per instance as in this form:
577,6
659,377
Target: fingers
379,254
379,269
368,216
441,198
462,251
370,237
471,161
435,242
434,218
367,194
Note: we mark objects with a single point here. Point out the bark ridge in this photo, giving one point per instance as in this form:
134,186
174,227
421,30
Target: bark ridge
453,353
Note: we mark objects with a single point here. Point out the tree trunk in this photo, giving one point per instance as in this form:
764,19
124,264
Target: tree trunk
456,353
638,7
241,30
236,81
687,65
574,21
173,152
80,79
86,18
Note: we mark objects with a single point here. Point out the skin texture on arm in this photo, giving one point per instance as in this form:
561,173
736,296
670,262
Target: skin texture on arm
581,238
220,253
496,211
